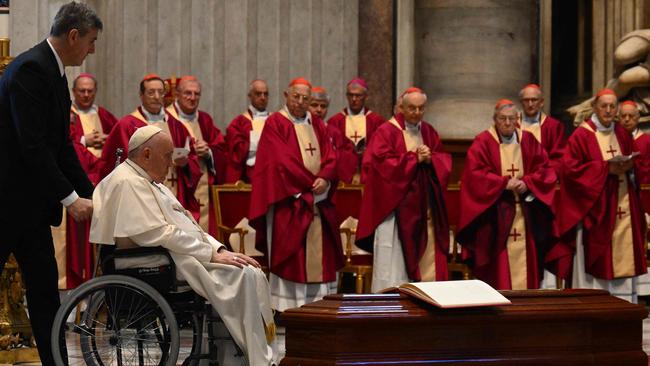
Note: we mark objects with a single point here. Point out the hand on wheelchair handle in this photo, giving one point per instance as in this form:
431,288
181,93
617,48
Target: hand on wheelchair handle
233,259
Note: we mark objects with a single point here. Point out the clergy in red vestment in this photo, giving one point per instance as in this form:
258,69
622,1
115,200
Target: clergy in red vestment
346,156
183,178
547,130
403,218
506,197
356,122
600,219
629,118
293,182
209,144
90,124
243,134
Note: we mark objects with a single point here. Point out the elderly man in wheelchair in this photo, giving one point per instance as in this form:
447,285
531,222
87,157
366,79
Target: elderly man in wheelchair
122,320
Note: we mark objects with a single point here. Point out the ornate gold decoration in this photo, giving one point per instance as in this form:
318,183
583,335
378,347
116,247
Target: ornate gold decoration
16,339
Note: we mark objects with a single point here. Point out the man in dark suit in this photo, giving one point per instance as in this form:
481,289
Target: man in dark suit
39,170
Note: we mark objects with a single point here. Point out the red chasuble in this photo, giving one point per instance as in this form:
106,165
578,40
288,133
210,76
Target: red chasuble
187,177
79,258
214,169
395,182
360,136
590,194
279,175
488,210
238,140
550,133
79,254
346,155
642,163
106,119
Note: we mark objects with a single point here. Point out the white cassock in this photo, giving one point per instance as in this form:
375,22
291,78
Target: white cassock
129,208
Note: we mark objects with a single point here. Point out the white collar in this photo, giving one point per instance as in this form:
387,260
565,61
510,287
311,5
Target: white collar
599,126
362,112
411,127
255,112
534,119
58,59
153,117
510,140
186,117
296,120
92,110
138,169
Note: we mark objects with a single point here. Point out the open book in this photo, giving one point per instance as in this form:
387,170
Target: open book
454,294
623,158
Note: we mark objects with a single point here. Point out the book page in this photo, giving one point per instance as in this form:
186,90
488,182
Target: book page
455,294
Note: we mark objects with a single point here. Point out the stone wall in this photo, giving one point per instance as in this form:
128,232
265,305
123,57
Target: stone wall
225,43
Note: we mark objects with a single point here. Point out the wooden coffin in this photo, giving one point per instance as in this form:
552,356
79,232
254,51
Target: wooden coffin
541,327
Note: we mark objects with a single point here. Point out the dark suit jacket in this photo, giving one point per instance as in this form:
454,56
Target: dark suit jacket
38,164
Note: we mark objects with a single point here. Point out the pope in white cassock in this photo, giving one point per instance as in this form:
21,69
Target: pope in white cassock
133,208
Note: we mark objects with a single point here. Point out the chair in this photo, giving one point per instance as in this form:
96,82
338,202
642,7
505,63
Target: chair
347,200
456,268
231,204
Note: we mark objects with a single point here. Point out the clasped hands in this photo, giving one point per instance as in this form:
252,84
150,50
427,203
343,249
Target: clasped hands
95,139
516,185
424,154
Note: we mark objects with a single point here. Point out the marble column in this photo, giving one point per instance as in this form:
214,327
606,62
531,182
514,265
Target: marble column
467,54
376,53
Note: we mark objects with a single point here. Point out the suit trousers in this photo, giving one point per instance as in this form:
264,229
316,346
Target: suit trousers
33,248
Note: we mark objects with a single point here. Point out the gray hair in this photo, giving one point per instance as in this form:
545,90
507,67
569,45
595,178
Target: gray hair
75,15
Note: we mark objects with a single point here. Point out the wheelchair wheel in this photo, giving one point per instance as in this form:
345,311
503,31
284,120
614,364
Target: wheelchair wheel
115,320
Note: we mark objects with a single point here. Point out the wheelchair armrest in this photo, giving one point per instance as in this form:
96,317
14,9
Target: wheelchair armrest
108,262
140,251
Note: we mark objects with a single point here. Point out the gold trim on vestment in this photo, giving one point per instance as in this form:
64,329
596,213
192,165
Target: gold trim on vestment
202,192
622,237
512,166
90,122
427,263
311,155
355,127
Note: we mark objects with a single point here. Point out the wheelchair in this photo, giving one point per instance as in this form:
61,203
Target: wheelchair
134,316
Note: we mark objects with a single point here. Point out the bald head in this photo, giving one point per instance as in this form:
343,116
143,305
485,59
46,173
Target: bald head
629,116
189,95
258,94
413,106
155,156
532,100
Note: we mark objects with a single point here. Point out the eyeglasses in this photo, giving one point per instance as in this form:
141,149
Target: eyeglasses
507,118
300,97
